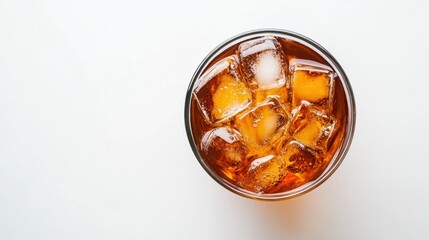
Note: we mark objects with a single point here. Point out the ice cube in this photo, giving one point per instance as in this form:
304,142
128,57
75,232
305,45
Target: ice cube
220,92
312,82
224,146
264,173
311,127
264,123
299,158
262,63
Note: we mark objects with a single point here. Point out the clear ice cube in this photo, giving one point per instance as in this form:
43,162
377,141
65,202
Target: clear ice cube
312,82
299,158
311,127
264,123
265,173
224,145
262,63
220,92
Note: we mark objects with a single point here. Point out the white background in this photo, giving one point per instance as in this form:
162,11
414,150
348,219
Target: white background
92,136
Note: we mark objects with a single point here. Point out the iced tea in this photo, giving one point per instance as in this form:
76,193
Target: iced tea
268,113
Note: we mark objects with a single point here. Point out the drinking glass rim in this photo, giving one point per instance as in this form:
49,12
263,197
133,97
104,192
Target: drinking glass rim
336,159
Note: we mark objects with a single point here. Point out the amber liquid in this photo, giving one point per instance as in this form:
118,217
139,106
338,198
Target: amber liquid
305,168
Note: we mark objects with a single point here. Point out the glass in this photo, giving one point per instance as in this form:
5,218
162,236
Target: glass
285,81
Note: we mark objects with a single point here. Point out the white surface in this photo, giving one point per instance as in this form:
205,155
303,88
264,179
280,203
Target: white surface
92,137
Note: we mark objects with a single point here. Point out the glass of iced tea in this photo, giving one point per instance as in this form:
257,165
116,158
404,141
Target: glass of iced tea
270,114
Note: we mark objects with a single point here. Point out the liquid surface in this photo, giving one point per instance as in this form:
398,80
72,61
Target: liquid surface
268,114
